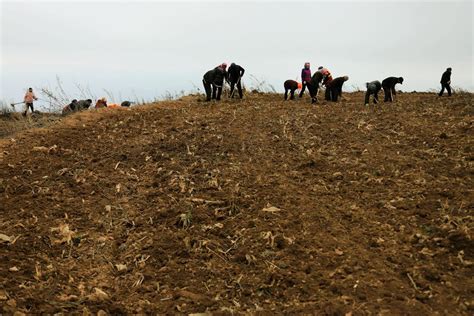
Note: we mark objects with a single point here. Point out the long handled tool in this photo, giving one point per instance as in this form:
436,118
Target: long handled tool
13,104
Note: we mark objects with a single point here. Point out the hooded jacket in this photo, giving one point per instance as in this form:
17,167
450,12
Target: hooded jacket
390,82
215,76
374,86
235,72
446,77
336,83
317,78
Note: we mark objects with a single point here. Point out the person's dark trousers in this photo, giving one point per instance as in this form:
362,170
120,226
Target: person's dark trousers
367,97
239,88
303,87
447,87
216,92
388,94
207,87
313,92
327,94
335,92
28,106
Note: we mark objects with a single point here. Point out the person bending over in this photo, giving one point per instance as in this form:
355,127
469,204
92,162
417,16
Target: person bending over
313,86
236,73
213,81
292,86
374,88
334,88
388,85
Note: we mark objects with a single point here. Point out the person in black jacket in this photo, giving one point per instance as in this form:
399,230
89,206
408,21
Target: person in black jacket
83,104
446,82
388,85
373,88
213,81
334,88
236,73
292,86
313,85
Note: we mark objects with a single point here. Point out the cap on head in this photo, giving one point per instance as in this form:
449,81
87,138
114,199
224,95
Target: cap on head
30,89
345,78
233,64
103,99
320,67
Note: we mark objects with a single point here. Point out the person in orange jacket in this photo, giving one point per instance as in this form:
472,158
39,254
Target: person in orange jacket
28,99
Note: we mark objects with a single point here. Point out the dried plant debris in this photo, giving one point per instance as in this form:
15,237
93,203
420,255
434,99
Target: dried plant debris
242,207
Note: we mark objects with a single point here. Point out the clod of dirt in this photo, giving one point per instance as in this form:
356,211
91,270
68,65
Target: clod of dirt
98,295
5,239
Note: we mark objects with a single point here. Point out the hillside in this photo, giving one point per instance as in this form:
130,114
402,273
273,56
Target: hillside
242,206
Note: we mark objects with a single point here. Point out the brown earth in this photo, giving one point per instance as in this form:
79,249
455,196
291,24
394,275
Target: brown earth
243,206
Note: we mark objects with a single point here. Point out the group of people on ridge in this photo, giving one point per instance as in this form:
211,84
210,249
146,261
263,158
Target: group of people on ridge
322,77
81,105
213,81
74,106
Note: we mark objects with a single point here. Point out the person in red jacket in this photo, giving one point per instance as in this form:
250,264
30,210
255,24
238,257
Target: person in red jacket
327,77
305,77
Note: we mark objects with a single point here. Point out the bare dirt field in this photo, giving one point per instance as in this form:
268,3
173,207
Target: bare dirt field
253,206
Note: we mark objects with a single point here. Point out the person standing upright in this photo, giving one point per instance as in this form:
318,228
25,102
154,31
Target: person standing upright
236,73
305,77
28,99
446,82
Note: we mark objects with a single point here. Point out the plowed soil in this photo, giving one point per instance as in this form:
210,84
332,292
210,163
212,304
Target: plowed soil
245,206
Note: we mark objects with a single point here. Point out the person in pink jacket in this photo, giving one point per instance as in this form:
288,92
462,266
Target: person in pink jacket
28,99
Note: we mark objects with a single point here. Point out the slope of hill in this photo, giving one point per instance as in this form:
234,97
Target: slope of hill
243,206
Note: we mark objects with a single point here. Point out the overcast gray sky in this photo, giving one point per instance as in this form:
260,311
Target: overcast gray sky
147,48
